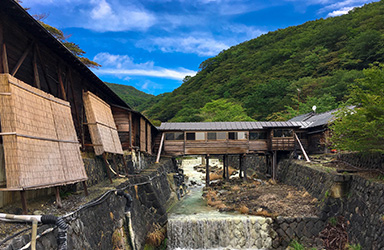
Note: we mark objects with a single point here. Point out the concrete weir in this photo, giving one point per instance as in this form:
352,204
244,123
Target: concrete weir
216,232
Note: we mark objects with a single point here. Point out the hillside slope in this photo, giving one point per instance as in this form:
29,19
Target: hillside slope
284,72
130,95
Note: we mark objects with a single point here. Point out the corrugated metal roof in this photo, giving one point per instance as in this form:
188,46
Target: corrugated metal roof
315,120
228,126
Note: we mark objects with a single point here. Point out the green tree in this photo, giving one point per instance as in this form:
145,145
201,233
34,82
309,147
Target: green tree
222,110
59,35
362,129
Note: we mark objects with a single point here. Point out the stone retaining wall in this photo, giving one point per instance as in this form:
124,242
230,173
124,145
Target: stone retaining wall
302,229
361,201
106,224
366,161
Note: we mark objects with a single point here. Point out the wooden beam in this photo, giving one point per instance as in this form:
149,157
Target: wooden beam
63,93
107,167
160,148
302,148
1,44
21,59
42,66
74,101
130,130
36,70
5,59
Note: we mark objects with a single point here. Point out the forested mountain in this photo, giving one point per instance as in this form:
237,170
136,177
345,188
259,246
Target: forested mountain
129,94
282,73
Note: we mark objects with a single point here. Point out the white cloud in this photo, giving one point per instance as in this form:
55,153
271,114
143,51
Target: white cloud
202,46
248,32
340,12
104,16
124,66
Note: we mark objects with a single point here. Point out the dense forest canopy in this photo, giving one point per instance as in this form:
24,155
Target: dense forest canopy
282,73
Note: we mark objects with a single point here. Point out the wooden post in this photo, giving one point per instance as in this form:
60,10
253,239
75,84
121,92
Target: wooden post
63,93
107,167
23,202
85,188
241,166
36,70
207,171
45,74
5,59
1,44
160,148
245,167
125,165
130,130
274,164
58,198
224,166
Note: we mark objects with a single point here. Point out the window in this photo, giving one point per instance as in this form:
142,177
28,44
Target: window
176,136
217,135
221,135
241,135
261,135
212,136
191,136
282,133
198,136
232,135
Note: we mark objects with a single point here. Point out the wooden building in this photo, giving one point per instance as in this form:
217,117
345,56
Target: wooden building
218,138
316,134
32,59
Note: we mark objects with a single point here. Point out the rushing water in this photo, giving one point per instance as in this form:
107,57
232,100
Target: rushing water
194,225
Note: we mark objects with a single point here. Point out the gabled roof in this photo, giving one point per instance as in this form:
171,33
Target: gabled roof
315,119
228,126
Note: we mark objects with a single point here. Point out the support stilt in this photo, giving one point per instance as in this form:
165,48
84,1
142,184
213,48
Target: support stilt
85,188
274,164
224,165
125,165
107,167
244,167
58,198
226,168
241,166
115,163
23,202
207,171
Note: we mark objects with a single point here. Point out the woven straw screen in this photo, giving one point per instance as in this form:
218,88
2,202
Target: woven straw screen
40,143
101,125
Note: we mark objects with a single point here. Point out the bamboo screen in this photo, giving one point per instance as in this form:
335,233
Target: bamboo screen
39,138
102,127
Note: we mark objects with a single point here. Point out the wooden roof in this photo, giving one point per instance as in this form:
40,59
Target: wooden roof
24,19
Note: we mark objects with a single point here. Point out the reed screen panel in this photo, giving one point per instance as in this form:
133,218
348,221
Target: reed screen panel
102,127
39,138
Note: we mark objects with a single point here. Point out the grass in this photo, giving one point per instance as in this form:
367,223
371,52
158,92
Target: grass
157,235
296,245
354,247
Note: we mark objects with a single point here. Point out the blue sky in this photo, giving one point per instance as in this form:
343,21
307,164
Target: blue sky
153,44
